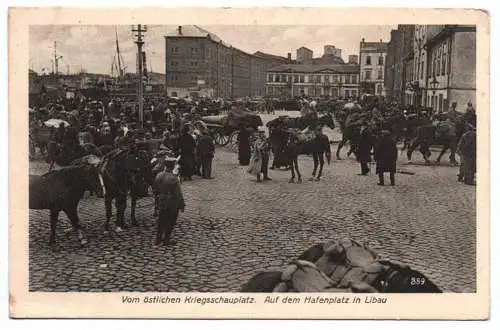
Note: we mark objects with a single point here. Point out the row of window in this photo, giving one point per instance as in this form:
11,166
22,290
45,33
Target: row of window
314,91
367,74
191,63
368,60
437,65
300,78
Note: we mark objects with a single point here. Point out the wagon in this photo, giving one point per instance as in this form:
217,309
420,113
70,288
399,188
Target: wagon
39,137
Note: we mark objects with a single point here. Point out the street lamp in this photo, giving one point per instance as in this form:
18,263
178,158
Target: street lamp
434,83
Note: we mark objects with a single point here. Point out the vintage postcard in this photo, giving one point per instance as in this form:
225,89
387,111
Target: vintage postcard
307,163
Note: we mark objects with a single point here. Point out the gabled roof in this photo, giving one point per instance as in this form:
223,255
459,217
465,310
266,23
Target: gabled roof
194,31
316,68
305,48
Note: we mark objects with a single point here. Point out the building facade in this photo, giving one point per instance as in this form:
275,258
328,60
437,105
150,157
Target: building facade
198,62
451,74
313,80
432,66
304,55
372,66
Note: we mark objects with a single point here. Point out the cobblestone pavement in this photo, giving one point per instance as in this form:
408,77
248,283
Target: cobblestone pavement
234,227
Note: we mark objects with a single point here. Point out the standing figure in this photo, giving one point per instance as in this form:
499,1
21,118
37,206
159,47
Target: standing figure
466,148
364,149
261,152
244,151
386,155
186,146
205,150
170,201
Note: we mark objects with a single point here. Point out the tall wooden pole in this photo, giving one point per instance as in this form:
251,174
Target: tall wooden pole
140,90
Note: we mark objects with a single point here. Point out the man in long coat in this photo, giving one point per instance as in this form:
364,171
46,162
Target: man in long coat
244,151
466,148
186,146
386,155
364,148
170,201
205,150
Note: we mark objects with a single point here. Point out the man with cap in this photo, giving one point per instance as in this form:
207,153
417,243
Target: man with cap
261,149
466,149
170,200
205,150
386,155
186,148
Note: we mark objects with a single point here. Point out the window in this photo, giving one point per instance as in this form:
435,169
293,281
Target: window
327,79
422,70
174,63
379,89
347,93
335,78
354,93
194,63
440,102
438,59
368,60
270,78
295,78
175,50
381,60
368,75
194,50
443,65
301,78
310,79
283,78
354,79
277,78
380,75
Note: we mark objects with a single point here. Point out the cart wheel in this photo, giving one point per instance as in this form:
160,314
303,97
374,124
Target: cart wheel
221,140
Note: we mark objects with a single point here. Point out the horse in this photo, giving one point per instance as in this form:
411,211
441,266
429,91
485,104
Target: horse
444,134
319,146
396,278
124,170
62,190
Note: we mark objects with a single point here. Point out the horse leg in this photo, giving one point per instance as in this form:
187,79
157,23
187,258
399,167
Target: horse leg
121,205
72,214
133,202
51,167
315,160
453,148
339,147
445,148
424,150
411,148
109,212
155,212
321,164
296,163
54,215
292,179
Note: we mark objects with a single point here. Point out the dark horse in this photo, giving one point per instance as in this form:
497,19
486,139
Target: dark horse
124,170
397,279
445,135
62,190
318,146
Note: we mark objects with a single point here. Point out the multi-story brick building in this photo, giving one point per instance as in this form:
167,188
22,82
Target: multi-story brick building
372,63
316,80
199,62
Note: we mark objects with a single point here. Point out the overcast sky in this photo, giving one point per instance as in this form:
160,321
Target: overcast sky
93,47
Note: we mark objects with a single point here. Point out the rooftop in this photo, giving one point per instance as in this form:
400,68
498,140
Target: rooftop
314,68
374,46
190,31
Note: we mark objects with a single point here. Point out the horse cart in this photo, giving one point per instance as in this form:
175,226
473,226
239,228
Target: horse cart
225,128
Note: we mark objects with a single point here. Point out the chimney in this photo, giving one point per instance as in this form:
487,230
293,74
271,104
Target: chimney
179,29
362,40
289,57
380,40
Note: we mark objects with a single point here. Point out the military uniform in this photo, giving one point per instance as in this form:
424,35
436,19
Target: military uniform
170,201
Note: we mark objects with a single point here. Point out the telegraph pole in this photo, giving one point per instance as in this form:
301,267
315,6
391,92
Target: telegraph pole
139,29
56,59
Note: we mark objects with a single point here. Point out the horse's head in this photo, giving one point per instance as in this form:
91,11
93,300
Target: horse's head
327,120
95,181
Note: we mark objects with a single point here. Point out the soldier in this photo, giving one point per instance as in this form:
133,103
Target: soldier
470,115
365,145
261,149
205,150
170,201
386,155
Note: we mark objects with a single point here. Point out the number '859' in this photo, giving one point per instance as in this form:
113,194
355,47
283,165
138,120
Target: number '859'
417,281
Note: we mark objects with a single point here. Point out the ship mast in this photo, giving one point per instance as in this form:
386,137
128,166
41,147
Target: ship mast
118,56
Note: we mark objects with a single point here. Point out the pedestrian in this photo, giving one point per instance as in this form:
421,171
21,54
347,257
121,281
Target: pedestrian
386,155
244,151
205,150
364,148
170,200
186,148
466,149
261,150
470,115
